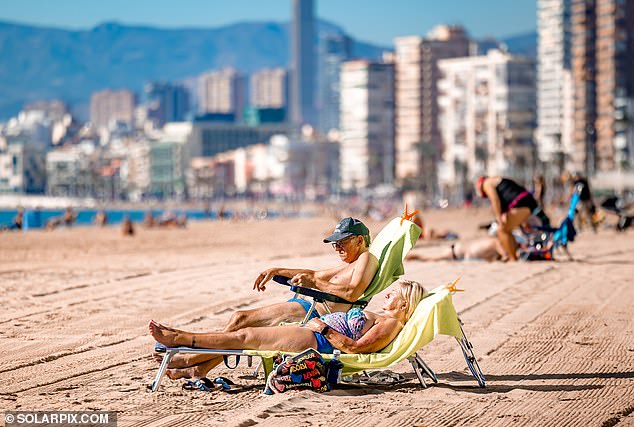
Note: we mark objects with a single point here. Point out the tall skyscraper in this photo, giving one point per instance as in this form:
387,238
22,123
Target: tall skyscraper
554,85
166,102
107,106
418,140
367,124
334,50
222,91
303,76
603,73
269,88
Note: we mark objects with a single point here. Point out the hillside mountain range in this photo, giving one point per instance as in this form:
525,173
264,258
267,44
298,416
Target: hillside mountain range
45,63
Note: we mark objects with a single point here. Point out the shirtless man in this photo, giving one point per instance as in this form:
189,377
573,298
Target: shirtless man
348,280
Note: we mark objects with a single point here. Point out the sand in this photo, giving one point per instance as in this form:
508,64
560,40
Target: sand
554,339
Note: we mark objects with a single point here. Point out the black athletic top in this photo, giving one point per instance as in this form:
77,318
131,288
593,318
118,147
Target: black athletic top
509,190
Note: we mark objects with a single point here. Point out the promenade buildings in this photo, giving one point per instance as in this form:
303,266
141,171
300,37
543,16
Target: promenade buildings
108,107
418,140
367,124
487,119
222,92
554,134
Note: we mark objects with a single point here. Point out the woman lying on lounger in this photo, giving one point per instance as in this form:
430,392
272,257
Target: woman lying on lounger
353,332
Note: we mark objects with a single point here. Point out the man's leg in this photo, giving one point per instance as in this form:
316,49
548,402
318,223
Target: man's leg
271,315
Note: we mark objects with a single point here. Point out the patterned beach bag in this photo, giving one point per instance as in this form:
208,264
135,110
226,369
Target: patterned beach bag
304,371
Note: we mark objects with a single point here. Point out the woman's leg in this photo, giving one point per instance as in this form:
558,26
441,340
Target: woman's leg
514,218
284,338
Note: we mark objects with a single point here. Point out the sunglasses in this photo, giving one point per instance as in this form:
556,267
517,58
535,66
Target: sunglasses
342,242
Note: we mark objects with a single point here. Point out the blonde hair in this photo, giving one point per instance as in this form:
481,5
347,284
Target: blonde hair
412,293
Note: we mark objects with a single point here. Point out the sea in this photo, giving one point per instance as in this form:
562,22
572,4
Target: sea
37,218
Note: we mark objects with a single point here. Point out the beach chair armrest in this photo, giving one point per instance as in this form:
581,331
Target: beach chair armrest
317,295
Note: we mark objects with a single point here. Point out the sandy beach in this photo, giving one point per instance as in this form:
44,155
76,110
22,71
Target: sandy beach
555,339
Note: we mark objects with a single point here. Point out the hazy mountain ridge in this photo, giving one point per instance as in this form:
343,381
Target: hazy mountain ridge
44,63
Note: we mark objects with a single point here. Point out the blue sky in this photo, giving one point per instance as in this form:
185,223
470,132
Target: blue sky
377,21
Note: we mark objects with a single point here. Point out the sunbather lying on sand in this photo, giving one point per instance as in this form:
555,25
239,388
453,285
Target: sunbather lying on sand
352,332
485,249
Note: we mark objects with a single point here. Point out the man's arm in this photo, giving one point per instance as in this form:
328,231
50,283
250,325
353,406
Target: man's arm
265,276
365,268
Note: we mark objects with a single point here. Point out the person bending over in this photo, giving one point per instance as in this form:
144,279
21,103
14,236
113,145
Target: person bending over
354,332
512,205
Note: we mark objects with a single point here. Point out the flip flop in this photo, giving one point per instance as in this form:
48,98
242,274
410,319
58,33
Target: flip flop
230,387
203,384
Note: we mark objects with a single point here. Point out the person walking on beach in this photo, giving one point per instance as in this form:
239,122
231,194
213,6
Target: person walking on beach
512,205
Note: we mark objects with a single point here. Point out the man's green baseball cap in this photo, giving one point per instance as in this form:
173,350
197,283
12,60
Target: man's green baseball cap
348,227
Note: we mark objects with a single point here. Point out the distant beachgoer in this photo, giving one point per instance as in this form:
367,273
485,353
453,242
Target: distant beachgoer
485,249
69,217
585,198
101,219
366,333
539,189
428,233
18,220
127,227
148,220
512,205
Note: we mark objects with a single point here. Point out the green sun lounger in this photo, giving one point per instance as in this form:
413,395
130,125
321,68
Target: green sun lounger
434,315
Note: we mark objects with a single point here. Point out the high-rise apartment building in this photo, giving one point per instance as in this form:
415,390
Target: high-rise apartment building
603,75
222,92
554,85
487,119
418,140
334,50
112,106
367,124
614,84
166,102
303,76
269,88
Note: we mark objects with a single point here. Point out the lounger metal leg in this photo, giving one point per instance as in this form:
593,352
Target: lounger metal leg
420,368
431,374
310,312
159,375
254,374
469,356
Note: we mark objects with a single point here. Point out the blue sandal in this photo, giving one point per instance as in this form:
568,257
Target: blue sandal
203,384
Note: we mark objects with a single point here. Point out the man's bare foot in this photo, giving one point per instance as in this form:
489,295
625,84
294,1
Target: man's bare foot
191,372
169,337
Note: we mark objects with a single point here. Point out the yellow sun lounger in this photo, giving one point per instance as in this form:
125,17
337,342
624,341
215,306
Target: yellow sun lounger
434,315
